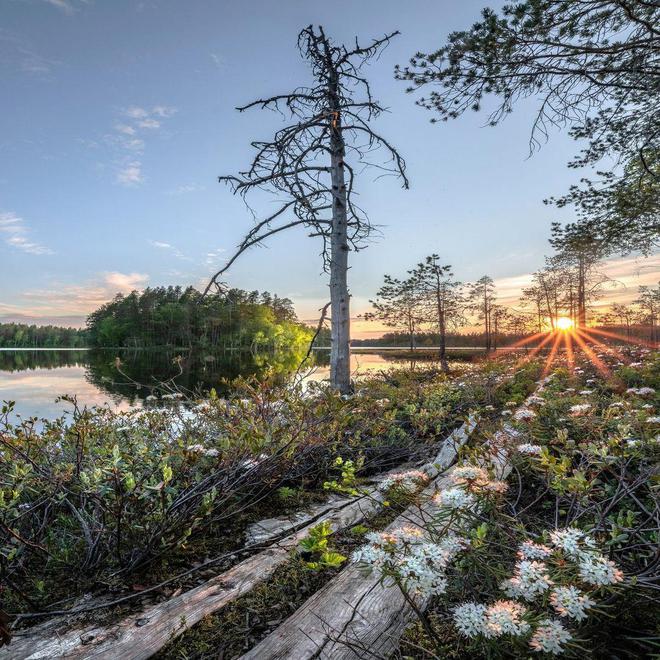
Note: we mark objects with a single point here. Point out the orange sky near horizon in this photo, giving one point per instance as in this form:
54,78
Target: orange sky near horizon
69,304
625,275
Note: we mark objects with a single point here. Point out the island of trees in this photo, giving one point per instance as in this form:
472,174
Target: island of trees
182,318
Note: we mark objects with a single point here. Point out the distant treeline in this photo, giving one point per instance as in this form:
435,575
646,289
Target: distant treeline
177,317
478,339
21,335
424,339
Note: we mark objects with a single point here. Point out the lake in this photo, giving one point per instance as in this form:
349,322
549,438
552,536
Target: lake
34,379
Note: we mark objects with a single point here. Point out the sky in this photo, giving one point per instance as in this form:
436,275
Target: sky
119,115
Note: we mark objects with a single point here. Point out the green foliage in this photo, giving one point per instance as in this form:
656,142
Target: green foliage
20,335
315,545
348,479
172,316
109,496
591,67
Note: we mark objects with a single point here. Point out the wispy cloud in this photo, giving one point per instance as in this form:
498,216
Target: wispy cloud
62,5
129,139
17,53
15,234
130,174
68,7
219,61
77,299
161,245
212,258
186,188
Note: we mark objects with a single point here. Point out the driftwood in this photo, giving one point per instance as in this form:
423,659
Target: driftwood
356,615
272,528
144,633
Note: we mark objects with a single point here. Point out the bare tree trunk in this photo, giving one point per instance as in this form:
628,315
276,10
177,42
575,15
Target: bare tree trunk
340,370
582,296
442,329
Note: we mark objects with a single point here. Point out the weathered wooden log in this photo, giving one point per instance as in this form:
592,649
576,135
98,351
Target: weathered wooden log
356,615
144,633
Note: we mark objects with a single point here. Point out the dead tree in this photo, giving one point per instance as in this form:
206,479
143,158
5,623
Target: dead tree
311,165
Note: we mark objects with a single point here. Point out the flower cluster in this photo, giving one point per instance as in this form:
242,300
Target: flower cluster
571,602
641,391
531,550
530,579
201,449
476,480
580,409
594,568
524,415
407,556
504,617
454,498
408,481
528,448
549,637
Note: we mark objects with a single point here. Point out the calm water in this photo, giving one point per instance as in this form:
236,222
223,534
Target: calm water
34,379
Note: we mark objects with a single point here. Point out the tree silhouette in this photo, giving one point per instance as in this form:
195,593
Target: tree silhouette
313,163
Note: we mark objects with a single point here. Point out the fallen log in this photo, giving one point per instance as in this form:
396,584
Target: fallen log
356,615
143,633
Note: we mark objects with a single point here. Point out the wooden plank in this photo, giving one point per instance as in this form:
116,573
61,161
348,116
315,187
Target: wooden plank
144,633
355,615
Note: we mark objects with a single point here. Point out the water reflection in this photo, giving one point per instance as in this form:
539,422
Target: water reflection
34,379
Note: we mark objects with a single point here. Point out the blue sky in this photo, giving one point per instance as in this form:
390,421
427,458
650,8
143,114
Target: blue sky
118,116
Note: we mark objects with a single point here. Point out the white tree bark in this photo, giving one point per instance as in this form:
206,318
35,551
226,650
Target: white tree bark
340,368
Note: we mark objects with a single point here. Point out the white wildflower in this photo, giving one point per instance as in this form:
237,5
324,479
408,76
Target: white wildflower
454,498
641,391
469,473
580,409
571,541
470,619
531,550
549,637
524,415
571,602
529,580
408,481
406,554
653,420
505,617
528,448
599,571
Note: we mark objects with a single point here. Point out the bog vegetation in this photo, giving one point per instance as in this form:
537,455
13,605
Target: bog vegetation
537,533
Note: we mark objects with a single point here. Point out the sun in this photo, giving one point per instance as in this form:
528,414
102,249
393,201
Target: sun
564,323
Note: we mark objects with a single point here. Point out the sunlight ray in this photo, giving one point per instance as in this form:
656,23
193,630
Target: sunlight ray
551,356
535,350
614,335
593,358
568,344
606,347
524,341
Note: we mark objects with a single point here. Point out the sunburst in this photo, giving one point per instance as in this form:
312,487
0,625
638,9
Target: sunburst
566,338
